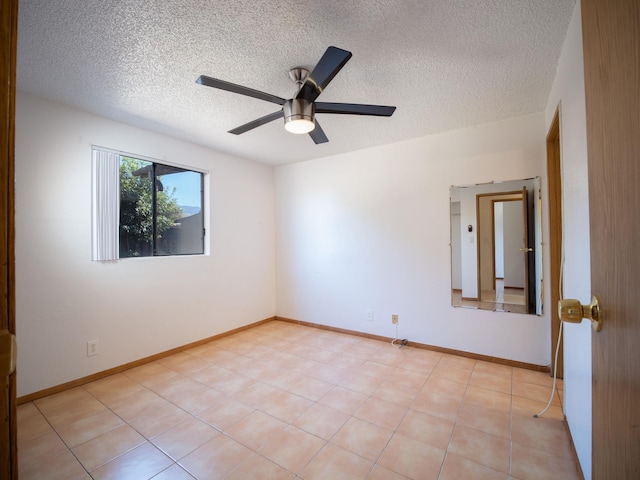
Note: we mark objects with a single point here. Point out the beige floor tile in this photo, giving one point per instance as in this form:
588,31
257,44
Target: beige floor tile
31,423
390,355
375,369
292,448
320,355
485,419
381,473
174,361
362,438
255,429
321,421
258,467
142,462
457,467
310,388
361,383
212,375
114,388
256,394
452,373
488,398
343,399
107,446
532,464
130,407
350,362
422,366
521,375
429,429
83,430
412,458
163,375
527,408
329,373
336,463
409,378
174,472
500,383
364,342
491,368
547,434
184,438
189,365
216,458
305,366
153,422
480,447
439,405
46,443
379,412
398,393
225,413
535,392
286,406
457,361
423,354
56,407
444,386
361,352
52,466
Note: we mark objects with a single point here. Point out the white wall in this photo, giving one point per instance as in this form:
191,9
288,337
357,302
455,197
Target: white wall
568,90
370,230
135,307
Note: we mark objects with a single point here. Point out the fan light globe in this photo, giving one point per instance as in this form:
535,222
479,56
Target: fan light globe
299,126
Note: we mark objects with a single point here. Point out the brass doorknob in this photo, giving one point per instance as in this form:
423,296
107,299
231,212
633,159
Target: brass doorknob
573,311
526,249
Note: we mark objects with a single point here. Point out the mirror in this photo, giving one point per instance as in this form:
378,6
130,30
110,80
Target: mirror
496,246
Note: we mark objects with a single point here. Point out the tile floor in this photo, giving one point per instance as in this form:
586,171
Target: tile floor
284,401
502,299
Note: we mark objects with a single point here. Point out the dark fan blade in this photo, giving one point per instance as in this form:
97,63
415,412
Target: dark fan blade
354,109
327,68
317,134
232,87
256,123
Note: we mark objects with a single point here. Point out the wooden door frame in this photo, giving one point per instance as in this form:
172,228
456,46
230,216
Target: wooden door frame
480,196
8,42
554,185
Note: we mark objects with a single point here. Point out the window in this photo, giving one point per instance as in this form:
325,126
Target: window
158,208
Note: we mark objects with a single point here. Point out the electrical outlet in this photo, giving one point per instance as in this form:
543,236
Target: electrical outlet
369,315
394,318
92,348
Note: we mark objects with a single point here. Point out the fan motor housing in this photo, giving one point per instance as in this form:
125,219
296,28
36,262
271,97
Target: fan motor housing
298,110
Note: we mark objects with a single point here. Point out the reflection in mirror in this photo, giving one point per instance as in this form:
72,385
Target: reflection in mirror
496,246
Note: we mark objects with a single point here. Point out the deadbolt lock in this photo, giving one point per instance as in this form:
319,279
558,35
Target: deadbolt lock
8,353
573,311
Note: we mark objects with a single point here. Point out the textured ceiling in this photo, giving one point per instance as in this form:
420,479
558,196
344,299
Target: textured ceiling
445,64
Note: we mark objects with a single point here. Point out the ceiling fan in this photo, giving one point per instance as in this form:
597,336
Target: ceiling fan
299,112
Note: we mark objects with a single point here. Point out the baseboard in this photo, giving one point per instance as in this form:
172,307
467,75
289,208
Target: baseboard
136,363
460,353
